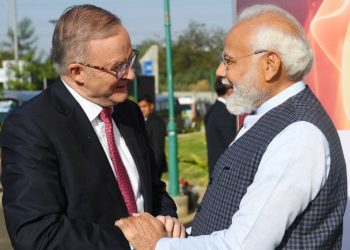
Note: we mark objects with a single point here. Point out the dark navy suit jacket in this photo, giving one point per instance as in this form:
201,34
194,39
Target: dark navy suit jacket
59,189
156,132
220,130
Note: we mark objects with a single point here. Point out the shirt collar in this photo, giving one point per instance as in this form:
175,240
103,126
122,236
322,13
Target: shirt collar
221,99
92,110
280,98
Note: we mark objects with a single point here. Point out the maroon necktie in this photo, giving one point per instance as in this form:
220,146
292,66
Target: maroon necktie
120,170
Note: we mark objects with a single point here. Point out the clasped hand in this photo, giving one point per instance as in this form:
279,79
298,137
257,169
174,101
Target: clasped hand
143,230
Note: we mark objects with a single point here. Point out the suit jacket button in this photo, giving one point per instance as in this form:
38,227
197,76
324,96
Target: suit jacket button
199,208
210,181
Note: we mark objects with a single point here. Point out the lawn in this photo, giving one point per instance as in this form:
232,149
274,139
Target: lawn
192,158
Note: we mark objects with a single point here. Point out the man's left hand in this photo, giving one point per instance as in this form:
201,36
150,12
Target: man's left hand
173,226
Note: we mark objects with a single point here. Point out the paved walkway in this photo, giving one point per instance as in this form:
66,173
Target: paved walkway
4,239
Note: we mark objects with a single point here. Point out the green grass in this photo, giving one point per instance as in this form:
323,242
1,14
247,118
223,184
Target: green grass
192,158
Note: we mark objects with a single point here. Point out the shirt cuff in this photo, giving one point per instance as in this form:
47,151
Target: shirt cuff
163,244
189,230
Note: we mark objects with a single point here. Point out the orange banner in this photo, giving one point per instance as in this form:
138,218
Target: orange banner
327,26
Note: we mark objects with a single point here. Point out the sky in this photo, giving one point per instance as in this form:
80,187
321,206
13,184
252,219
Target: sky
144,19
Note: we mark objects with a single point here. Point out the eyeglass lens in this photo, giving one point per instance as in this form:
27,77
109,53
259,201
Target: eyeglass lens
123,68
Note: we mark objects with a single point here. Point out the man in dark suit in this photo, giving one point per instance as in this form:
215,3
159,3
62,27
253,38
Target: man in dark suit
220,125
156,132
76,158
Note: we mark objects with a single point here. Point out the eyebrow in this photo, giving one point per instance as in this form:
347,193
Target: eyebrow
117,63
230,57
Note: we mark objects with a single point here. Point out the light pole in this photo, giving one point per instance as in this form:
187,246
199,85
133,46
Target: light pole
212,84
15,36
172,136
136,93
234,10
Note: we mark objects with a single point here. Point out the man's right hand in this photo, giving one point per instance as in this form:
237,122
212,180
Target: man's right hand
143,231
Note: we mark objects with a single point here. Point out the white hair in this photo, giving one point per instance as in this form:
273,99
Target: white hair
295,52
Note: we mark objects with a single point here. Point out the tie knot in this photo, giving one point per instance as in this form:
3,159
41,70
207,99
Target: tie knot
105,115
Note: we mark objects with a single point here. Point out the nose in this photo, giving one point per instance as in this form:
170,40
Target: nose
221,70
130,74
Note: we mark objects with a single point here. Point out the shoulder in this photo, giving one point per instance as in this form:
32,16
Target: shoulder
219,112
302,129
302,135
219,107
127,104
38,107
128,108
155,118
129,112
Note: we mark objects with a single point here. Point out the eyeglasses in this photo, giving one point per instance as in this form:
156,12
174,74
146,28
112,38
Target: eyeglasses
227,60
121,69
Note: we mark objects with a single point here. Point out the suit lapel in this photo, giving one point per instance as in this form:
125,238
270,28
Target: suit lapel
128,133
87,141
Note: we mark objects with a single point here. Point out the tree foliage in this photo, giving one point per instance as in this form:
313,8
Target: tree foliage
26,38
37,66
195,55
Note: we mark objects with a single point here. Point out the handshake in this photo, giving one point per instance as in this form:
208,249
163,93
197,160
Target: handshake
143,231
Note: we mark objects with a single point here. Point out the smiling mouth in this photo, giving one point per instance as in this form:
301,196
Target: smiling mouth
120,86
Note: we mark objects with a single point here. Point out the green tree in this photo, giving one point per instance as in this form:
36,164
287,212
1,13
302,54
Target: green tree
26,38
5,55
37,66
195,52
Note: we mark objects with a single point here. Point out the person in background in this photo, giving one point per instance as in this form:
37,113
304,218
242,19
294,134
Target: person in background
282,183
76,157
220,125
156,131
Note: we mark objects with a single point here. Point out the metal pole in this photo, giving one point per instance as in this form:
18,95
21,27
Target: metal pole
15,36
45,83
212,83
136,93
234,17
172,136
6,16
234,10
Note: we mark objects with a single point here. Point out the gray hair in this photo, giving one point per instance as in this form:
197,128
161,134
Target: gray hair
77,26
295,52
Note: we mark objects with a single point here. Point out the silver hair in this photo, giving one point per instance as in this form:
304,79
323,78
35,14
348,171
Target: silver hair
77,26
295,52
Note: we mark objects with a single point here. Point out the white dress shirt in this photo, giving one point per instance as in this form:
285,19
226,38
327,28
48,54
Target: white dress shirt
92,111
221,99
292,171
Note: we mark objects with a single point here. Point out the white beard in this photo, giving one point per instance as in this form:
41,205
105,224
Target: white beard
245,94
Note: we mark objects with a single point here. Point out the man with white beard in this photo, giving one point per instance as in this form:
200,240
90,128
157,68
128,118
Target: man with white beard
282,183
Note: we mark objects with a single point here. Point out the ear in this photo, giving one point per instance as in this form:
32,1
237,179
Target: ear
273,66
75,71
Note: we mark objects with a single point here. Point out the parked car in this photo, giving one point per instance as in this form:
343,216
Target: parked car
162,108
6,106
12,99
193,111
